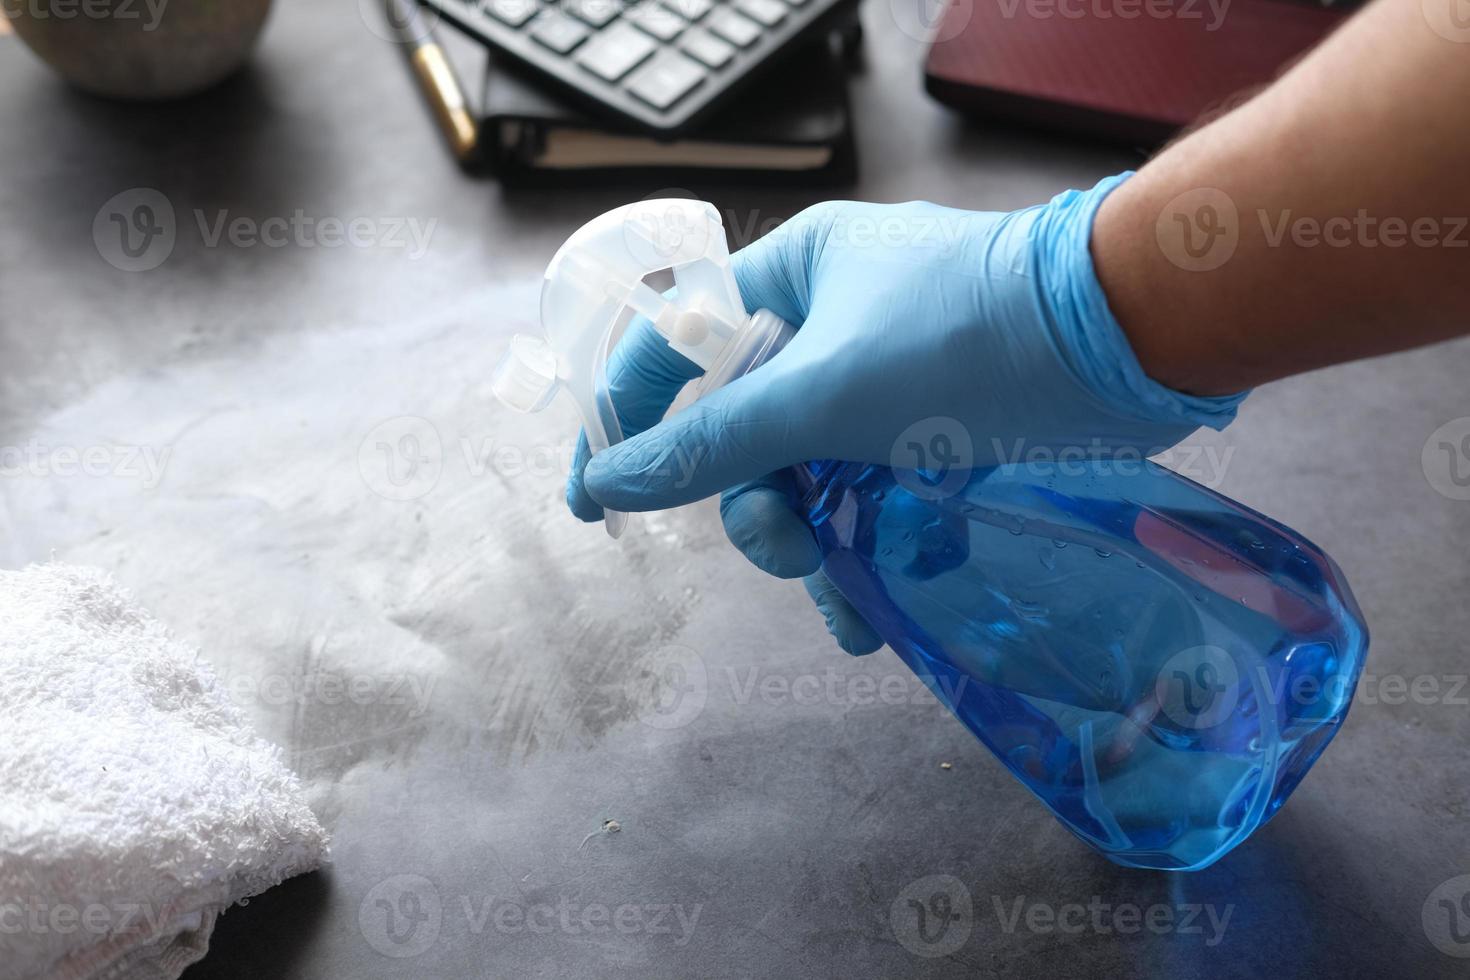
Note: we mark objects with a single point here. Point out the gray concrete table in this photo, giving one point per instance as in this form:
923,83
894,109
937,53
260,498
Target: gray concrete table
296,463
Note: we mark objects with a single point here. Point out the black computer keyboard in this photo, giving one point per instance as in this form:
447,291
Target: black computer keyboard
658,65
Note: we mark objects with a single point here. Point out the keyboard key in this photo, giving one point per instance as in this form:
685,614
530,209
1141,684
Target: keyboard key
708,48
740,31
767,12
615,51
558,32
512,12
666,79
595,12
656,19
690,9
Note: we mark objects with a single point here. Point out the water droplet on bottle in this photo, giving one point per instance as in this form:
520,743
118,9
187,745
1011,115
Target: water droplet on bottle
1048,560
1102,553
1059,543
887,552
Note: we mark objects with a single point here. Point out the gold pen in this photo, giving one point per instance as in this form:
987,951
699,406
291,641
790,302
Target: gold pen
436,77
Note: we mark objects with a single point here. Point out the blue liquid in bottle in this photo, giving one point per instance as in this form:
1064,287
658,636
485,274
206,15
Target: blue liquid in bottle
1157,663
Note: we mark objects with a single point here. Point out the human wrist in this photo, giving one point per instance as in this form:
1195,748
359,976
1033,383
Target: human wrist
1104,355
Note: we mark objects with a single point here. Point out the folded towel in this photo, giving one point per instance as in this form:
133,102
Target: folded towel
136,804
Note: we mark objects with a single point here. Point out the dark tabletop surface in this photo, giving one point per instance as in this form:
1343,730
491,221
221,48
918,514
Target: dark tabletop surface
776,821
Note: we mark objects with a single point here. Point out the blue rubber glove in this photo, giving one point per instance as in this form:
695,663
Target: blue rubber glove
906,313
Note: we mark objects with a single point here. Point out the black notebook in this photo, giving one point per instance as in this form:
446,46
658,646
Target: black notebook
793,127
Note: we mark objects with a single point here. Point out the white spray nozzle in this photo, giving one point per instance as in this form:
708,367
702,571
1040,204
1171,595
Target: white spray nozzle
525,378
595,278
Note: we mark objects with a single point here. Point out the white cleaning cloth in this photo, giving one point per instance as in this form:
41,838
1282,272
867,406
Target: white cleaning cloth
135,802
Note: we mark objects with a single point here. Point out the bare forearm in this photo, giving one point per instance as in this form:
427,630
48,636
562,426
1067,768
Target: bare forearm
1323,221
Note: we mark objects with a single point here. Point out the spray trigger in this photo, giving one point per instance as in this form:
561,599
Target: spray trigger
593,282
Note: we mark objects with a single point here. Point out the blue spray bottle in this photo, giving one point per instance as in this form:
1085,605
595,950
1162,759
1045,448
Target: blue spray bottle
1158,664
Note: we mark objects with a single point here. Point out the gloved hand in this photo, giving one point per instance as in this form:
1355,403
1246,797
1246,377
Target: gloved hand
906,313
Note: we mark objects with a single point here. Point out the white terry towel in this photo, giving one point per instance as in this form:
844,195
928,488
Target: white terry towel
135,802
